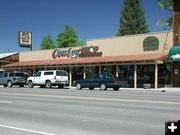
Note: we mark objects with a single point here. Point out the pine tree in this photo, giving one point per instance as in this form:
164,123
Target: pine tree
132,20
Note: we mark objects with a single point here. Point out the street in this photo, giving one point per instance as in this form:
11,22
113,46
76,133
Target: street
39,111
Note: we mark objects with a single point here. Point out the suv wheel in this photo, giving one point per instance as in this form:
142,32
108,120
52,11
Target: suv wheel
78,86
48,84
30,84
9,84
103,86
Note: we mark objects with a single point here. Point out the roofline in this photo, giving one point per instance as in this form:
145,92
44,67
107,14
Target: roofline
151,33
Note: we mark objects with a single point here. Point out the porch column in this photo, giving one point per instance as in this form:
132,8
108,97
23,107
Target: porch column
84,73
99,69
70,77
117,71
135,76
156,75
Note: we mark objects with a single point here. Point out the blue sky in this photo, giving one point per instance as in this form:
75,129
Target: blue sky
90,19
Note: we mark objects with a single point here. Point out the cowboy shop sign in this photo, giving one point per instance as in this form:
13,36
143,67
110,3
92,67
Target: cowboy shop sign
90,51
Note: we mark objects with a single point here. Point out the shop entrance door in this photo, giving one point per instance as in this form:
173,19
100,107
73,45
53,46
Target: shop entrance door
176,76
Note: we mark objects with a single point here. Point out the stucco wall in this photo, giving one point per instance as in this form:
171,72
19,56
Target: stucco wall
124,45
133,44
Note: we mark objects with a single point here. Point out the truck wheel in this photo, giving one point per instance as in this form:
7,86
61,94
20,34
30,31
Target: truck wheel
116,88
78,86
30,84
9,84
103,86
48,84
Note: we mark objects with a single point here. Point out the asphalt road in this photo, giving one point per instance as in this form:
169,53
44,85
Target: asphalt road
37,111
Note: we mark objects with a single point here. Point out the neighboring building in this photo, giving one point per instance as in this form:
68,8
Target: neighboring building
137,59
174,53
8,58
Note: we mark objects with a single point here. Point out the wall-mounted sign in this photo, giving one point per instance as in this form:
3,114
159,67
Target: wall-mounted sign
25,39
74,53
151,43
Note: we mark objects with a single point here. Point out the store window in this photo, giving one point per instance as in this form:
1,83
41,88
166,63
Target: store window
109,69
145,75
90,71
77,73
126,74
164,75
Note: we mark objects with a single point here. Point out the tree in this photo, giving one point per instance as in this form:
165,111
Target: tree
68,38
165,5
47,43
132,20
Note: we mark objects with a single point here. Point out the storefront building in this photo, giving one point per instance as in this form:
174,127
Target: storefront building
137,60
174,52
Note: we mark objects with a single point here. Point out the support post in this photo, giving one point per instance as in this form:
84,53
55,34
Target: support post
99,69
135,76
117,71
70,77
156,75
84,73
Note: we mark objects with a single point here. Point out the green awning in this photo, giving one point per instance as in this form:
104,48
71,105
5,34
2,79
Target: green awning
174,54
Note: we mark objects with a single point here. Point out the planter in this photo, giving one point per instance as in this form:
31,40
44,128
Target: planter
147,86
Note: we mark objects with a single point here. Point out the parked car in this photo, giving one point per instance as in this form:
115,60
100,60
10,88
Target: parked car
8,79
48,79
102,81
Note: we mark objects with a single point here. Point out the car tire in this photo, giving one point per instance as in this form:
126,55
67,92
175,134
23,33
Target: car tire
30,84
103,86
9,84
116,88
5,85
48,84
78,86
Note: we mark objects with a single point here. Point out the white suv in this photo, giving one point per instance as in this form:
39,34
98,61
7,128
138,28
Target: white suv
48,79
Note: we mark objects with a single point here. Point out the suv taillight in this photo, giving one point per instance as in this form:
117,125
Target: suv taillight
54,77
114,81
14,78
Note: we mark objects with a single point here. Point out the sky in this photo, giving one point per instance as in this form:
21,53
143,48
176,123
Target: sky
90,19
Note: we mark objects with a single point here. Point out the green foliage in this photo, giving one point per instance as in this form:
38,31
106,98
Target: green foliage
132,20
68,38
165,5
47,43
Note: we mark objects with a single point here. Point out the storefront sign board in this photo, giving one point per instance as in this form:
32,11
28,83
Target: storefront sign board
76,53
151,43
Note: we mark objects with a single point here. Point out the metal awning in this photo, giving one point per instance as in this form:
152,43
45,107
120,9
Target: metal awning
174,54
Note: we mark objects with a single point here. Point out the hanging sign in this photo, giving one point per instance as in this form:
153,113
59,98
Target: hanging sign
25,39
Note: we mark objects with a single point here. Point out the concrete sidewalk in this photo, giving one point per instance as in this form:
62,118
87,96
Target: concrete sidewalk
152,89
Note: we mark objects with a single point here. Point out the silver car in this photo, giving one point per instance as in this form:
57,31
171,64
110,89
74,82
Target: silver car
8,79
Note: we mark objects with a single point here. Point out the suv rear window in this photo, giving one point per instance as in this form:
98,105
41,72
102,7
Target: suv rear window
48,73
61,73
17,74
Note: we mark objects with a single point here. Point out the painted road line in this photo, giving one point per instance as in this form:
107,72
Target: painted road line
26,130
94,98
6,102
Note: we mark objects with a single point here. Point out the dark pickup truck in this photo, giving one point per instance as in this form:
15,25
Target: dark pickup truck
102,81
